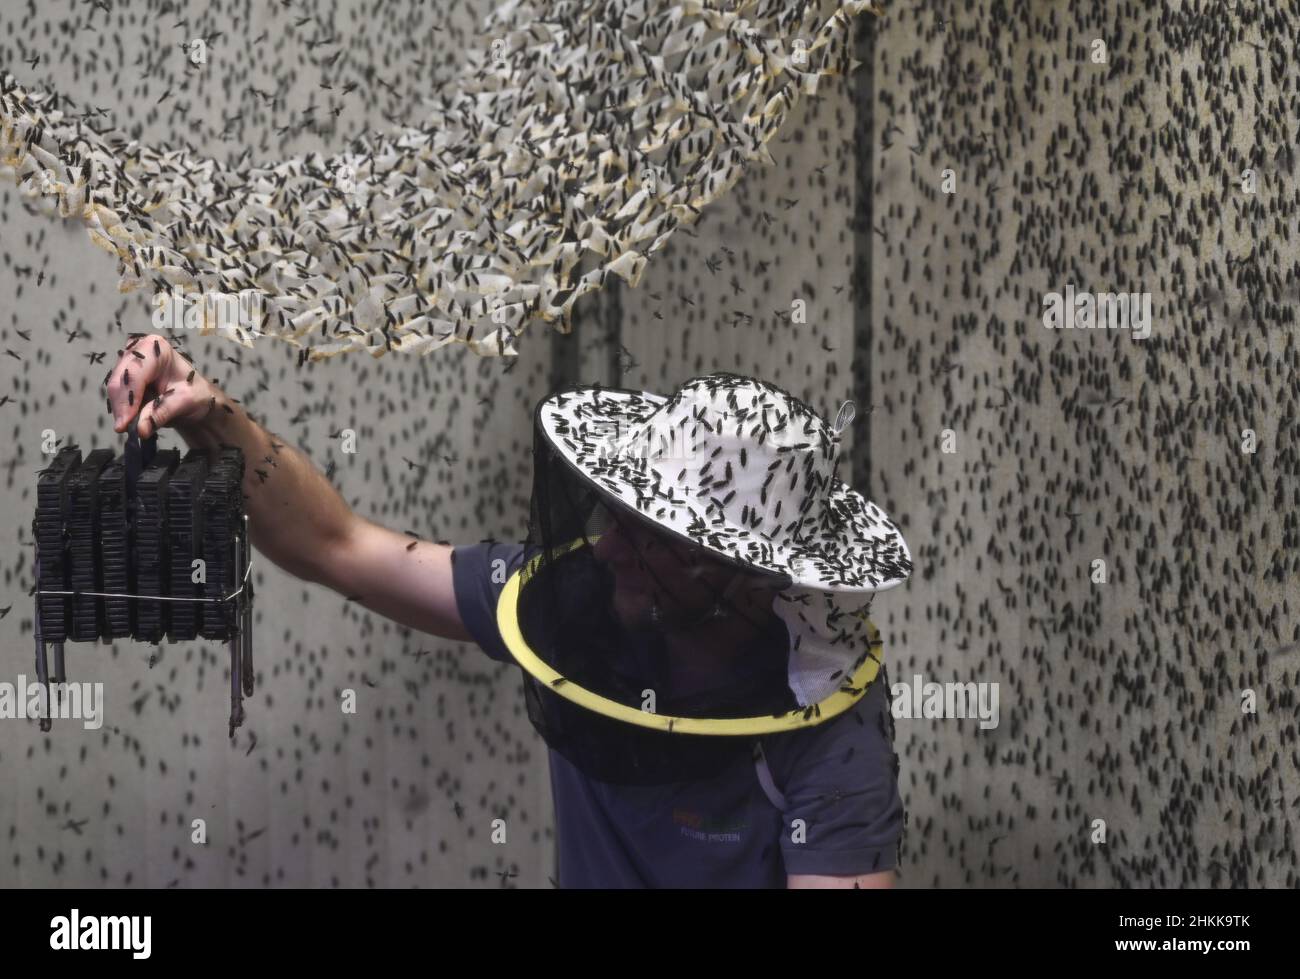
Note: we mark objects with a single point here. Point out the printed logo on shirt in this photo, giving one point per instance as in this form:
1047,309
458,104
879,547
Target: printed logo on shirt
699,826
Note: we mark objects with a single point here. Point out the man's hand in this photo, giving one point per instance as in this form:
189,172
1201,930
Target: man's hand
296,517
153,380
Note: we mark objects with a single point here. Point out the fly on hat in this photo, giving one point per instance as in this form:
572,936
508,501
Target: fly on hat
697,567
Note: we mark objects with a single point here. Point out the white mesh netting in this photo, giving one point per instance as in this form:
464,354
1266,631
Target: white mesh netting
572,145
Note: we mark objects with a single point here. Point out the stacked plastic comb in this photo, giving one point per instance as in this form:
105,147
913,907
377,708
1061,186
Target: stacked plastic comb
146,546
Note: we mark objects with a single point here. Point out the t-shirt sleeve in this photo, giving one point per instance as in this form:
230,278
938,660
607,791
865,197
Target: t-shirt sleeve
839,779
479,573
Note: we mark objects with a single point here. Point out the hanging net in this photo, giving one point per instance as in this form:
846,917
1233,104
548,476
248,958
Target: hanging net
572,145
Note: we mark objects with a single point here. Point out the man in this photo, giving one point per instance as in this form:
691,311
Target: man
686,612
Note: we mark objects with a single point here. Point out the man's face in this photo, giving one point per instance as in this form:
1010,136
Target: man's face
654,568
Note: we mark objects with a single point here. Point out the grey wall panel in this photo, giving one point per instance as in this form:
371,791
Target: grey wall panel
1121,701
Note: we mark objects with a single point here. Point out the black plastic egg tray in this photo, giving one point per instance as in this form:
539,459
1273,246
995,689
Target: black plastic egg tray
116,544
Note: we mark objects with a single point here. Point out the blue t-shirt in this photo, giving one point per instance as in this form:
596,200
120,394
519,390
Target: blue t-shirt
840,812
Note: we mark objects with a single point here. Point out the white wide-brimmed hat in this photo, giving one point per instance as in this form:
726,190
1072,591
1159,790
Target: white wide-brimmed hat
746,470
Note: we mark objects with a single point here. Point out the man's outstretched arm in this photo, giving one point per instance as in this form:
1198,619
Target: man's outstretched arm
413,587
296,518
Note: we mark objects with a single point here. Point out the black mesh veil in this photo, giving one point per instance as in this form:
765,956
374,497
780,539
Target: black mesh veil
645,620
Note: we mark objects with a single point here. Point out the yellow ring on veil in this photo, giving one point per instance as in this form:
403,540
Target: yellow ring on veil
850,692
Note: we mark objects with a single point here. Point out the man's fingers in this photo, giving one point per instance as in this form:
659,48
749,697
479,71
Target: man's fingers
166,409
162,413
158,415
147,424
142,363
149,367
125,401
